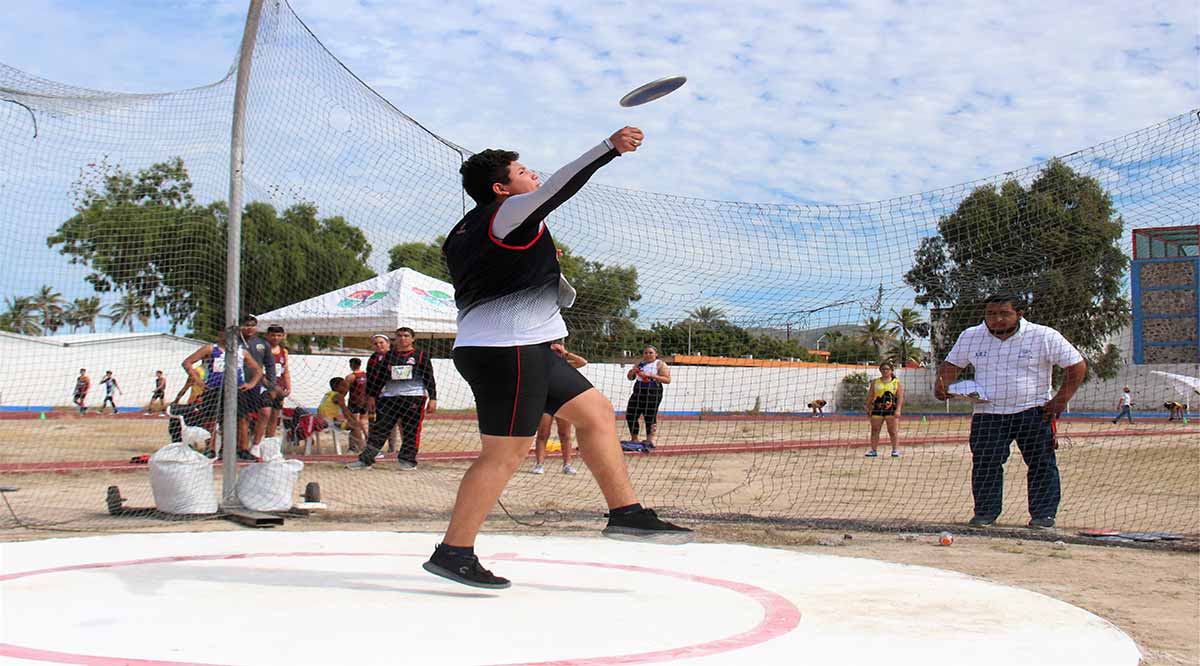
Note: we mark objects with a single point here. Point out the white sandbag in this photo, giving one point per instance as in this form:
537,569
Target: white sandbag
182,480
271,484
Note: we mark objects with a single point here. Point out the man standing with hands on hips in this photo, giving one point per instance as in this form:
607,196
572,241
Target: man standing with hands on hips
1013,361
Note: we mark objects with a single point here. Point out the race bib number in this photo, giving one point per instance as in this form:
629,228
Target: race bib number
218,364
401,372
278,369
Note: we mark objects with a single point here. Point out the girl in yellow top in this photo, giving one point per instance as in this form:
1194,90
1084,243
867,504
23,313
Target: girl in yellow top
885,397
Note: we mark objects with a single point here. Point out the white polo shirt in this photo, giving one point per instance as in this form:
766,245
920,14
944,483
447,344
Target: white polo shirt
1014,373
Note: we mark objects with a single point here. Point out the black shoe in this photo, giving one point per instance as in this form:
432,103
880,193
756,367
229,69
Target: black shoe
463,569
209,453
644,526
1045,523
982,521
246,456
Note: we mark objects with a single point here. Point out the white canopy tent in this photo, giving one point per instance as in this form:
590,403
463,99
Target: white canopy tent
403,297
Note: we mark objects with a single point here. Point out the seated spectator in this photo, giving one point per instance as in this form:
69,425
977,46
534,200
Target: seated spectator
333,410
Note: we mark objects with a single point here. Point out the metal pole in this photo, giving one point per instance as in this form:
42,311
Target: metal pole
233,257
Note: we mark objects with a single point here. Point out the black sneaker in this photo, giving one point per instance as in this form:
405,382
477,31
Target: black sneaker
1045,523
463,569
644,526
246,456
982,521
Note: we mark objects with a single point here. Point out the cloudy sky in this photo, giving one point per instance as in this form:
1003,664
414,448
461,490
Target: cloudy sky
787,103
797,102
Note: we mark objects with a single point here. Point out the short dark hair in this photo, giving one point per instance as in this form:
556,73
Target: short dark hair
249,318
405,329
334,382
355,363
1009,297
484,168
274,328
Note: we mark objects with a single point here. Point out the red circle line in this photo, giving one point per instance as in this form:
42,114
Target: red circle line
780,615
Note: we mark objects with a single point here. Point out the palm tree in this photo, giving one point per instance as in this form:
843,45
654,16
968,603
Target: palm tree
707,315
19,317
87,310
49,304
876,333
908,323
128,309
904,352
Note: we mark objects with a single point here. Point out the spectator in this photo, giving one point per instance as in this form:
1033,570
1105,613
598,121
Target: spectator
283,377
214,358
356,399
83,384
159,394
885,398
110,383
564,426
648,377
400,391
818,408
333,410
259,399
1125,406
1013,360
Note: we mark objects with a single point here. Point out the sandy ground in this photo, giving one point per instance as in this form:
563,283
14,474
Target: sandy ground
1142,479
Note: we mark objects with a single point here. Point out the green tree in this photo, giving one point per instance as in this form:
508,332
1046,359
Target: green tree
877,334
144,234
49,304
707,315
82,312
19,317
1054,243
850,349
128,309
421,257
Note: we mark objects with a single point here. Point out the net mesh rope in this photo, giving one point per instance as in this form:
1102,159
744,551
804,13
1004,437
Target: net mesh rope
114,220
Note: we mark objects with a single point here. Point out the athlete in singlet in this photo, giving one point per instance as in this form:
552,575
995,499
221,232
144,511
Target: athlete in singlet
356,400
648,377
885,397
509,288
283,377
211,401
159,394
110,384
83,384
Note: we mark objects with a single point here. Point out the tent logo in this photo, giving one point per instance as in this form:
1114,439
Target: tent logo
435,297
361,298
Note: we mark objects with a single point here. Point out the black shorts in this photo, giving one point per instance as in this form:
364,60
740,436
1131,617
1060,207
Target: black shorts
210,403
883,412
357,409
274,402
514,386
157,395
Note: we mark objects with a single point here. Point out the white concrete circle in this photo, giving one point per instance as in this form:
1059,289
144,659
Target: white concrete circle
361,598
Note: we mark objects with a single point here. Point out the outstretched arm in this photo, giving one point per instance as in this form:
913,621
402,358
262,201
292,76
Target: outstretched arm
526,211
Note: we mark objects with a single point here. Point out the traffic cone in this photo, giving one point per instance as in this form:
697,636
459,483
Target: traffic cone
923,420
42,416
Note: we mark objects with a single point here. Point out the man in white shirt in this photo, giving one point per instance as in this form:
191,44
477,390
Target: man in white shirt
1125,406
1013,361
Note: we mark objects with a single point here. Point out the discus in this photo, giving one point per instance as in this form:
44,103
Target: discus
648,92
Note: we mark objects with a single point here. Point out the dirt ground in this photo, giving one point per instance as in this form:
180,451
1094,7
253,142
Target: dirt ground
1142,479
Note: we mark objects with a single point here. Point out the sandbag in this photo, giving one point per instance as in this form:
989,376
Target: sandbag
271,484
182,480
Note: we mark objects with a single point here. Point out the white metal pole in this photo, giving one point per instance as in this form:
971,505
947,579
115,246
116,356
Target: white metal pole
233,259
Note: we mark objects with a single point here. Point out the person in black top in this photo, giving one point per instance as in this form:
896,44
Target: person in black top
400,391
509,290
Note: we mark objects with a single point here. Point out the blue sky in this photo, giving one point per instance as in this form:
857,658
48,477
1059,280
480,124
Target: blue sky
787,103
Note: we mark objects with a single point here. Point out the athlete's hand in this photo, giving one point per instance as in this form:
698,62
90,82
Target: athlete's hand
431,407
558,349
626,139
